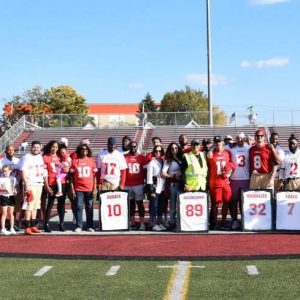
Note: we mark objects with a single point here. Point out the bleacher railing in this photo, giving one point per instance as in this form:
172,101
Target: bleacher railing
10,136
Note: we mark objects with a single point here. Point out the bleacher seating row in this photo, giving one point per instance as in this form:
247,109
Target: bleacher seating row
98,137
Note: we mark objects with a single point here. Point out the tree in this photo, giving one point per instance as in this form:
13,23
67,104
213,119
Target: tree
43,104
146,105
194,106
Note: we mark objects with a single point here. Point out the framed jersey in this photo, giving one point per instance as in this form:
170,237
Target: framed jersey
287,210
257,210
192,211
114,211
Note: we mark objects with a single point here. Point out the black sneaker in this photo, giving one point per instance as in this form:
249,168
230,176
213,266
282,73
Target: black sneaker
47,228
61,227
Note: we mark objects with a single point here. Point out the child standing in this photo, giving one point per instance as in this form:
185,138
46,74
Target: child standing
8,190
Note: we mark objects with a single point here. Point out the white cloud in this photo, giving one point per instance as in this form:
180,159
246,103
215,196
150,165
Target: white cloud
136,86
267,2
268,63
202,79
246,64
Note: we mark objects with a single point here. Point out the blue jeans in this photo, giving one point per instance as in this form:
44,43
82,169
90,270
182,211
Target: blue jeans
87,199
155,207
174,188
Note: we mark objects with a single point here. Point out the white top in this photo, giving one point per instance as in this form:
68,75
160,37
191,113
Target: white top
14,163
172,168
240,157
110,165
8,186
290,165
281,155
34,168
154,169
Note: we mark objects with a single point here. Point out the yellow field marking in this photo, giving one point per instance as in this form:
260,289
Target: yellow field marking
179,281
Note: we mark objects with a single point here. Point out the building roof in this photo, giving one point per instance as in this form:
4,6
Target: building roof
114,108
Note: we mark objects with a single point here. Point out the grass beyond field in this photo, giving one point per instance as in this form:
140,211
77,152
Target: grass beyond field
88,279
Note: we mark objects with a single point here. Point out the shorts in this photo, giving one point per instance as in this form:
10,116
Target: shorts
292,184
220,194
7,201
107,186
135,192
236,187
260,181
36,202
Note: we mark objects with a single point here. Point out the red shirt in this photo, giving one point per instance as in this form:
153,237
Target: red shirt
220,166
50,160
261,159
83,170
135,173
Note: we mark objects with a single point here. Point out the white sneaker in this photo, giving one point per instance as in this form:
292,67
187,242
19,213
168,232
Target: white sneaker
91,230
12,231
156,228
142,226
78,229
162,227
5,231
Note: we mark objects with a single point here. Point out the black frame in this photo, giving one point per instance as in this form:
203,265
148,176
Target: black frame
272,211
178,227
128,210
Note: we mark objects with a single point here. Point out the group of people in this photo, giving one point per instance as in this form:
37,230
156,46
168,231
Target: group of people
222,166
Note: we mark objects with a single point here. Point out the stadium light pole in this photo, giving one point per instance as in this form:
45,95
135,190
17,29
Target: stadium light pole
209,95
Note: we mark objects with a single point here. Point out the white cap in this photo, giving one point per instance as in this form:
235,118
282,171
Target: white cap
241,135
64,140
85,141
228,137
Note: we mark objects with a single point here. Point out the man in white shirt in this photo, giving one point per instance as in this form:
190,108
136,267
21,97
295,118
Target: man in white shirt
240,177
112,167
34,175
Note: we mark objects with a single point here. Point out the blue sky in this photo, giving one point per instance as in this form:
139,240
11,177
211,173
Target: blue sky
118,50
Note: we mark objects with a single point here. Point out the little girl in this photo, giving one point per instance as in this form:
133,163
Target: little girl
62,170
8,190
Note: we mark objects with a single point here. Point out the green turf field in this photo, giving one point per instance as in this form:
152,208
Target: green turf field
88,279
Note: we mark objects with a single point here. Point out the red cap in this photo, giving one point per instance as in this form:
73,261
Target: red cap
259,132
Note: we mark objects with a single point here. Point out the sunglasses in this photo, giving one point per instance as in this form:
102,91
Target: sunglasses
259,135
158,151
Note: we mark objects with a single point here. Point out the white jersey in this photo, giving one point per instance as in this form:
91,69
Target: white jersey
14,164
34,168
290,165
110,165
240,157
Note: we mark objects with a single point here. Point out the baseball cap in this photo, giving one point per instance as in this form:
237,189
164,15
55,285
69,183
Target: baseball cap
241,135
111,141
228,137
64,140
85,141
259,132
195,142
206,141
218,139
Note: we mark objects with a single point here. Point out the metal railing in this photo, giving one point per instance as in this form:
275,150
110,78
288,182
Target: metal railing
10,136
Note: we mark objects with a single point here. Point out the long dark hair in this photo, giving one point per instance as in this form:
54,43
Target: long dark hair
48,146
169,155
79,148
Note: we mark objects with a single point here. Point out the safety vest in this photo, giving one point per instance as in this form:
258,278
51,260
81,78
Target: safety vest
195,176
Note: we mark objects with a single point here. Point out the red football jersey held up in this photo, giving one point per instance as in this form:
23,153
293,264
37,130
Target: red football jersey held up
50,162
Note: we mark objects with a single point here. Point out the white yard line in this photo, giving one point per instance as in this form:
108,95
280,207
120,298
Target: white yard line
43,271
252,270
113,271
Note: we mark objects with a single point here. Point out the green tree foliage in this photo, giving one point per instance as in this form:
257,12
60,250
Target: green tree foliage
146,105
194,106
42,105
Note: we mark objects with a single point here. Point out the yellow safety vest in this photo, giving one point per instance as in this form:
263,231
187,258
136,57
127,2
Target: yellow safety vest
195,176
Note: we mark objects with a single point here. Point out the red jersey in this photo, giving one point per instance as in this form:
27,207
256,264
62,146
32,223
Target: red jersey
83,170
50,162
220,167
261,159
135,173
